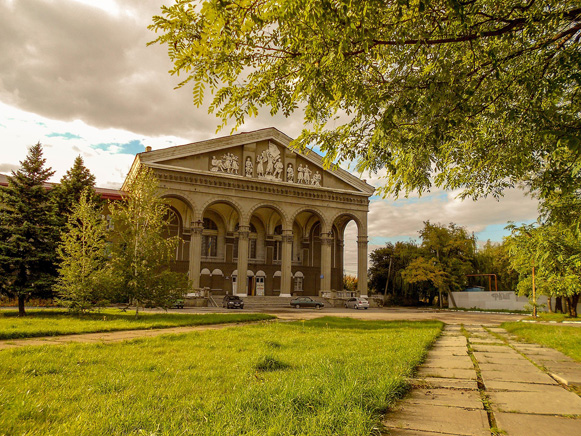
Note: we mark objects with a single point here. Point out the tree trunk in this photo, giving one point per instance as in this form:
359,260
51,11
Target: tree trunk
21,310
573,305
549,305
558,304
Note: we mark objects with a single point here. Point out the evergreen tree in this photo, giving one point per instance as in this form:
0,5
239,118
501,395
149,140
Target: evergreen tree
82,255
67,194
28,233
141,254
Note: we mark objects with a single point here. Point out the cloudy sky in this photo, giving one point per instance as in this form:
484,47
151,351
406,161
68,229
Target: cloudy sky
77,76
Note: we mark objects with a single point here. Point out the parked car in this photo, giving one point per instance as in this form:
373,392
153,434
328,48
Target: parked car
178,304
306,302
357,303
232,302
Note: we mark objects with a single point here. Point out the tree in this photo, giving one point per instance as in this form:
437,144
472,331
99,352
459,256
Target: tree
141,255
28,231
554,251
494,258
350,282
385,272
447,256
82,253
68,193
473,95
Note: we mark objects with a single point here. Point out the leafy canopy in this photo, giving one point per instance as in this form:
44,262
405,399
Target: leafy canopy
474,95
141,254
82,252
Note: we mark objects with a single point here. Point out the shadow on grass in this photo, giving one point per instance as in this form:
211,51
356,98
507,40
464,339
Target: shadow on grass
333,322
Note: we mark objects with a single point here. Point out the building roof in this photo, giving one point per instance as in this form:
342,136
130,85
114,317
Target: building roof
224,142
105,193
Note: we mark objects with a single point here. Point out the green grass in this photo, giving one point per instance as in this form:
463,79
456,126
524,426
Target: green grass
557,317
566,339
59,322
317,378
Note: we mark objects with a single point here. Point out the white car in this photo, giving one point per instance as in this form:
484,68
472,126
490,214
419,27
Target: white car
357,303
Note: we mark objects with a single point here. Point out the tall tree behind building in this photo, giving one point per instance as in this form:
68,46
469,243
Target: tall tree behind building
28,231
67,194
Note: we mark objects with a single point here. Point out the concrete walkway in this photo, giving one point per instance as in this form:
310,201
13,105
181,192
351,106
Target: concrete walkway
488,383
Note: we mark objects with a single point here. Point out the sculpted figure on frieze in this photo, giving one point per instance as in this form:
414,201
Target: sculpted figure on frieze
290,173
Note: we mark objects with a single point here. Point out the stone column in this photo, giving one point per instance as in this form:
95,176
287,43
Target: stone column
286,268
340,260
326,242
242,279
362,265
195,253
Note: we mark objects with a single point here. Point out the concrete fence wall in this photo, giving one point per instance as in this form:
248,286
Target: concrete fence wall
492,300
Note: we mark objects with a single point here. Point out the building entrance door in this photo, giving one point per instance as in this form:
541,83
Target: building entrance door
260,286
234,284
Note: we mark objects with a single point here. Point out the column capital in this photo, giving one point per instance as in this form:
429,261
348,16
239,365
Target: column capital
362,241
243,232
326,239
197,227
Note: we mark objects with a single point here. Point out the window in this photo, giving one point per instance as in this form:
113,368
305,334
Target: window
277,255
209,245
210,239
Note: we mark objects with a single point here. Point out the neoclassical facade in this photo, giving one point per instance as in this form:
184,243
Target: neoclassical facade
258,218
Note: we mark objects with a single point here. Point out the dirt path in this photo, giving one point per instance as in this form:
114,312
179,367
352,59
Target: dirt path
108,337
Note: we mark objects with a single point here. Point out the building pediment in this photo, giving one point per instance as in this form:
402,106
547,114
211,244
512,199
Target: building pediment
263,155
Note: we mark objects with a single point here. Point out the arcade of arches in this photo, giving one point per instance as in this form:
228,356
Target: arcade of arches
260,228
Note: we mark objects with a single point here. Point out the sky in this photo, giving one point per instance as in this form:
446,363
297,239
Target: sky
77,76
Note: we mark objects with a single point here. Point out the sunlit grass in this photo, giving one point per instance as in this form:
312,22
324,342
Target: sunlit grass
59,322
566,339
322,377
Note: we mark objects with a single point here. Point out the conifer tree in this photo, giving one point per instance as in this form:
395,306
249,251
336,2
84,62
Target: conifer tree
82,254
28,231
141,254
67,194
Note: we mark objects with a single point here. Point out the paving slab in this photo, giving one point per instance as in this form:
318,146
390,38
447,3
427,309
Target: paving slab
447,420
456,349
500,385
487,348
500,358
443,352
547,402
456,373
408,432
517,374
458,362
445,383
446,397
517,364
516,424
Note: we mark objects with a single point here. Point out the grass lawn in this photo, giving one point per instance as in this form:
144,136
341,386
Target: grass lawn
60,322
566,339
330,376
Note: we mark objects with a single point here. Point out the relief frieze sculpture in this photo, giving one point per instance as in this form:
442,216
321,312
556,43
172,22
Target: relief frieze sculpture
269,166
248,167
228,164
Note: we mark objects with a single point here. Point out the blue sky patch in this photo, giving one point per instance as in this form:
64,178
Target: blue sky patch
131,147
66,135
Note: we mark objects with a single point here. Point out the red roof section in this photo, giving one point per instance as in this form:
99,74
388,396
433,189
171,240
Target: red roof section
105,193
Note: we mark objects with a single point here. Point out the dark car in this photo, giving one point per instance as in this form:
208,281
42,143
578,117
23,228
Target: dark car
232,302
178,304
306,302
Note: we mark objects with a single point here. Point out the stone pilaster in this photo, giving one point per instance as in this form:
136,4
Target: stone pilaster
286,268
326,242
242,279
195,253
362,265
